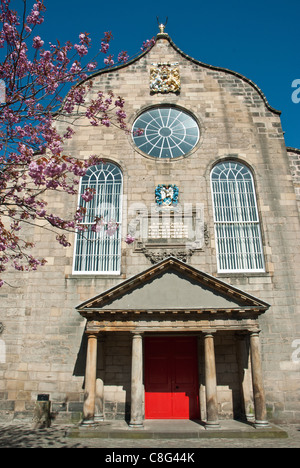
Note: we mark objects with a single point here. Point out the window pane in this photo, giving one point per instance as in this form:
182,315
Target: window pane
238,236
98,252
167,132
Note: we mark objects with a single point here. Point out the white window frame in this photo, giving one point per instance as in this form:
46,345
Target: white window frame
181,138
239,245
97,253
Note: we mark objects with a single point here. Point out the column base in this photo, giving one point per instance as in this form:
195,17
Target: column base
98,419
88,422
261,424
250,418
136,426
211,426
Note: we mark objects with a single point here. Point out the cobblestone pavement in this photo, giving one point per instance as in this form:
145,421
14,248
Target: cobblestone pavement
23,436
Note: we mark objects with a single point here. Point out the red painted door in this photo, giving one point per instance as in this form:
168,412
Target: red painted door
171,378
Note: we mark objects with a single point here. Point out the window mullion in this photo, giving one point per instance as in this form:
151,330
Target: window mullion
238,236
97,252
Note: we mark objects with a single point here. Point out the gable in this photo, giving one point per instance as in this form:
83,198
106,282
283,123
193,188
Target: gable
173,285
171,290
167,41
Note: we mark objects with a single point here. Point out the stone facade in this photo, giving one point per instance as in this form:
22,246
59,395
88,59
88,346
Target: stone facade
294,157
44,335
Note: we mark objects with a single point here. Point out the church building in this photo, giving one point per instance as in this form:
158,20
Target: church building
187,305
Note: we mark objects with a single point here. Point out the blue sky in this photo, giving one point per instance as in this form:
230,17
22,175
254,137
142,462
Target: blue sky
259,39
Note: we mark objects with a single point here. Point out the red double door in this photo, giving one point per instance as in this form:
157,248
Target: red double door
171,378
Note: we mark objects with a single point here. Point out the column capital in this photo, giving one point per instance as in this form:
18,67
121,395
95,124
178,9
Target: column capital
137,333
255,332
208,333
91,334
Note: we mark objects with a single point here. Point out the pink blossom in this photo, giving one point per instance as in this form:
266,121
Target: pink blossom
81,49
7,29
123,56
32,160
84,39
53,169
88,195
63,240
91,66
69,133
148,44
121,114
104,47
138,132
109,61
129,239
37,42
111,228
120,102
99,225
75,68
106,122
34,16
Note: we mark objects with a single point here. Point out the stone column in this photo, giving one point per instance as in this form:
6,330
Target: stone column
90,381
137,393
212,420
99,398
257,382
244,366
201,376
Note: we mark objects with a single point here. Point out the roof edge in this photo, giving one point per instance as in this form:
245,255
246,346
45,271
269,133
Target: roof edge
293,150
119,66
222,69
187,57
103,71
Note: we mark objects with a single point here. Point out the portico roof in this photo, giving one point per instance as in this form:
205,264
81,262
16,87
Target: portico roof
172,286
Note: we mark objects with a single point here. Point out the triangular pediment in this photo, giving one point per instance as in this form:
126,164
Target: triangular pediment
173,285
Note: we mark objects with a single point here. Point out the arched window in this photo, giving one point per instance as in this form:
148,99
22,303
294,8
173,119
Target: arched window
237,227
98,248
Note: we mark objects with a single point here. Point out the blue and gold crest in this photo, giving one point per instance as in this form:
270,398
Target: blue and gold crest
166,195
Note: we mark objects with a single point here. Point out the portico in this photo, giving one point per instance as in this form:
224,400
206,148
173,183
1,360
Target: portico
172,299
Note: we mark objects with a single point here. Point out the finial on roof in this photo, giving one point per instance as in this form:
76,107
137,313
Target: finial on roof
162,26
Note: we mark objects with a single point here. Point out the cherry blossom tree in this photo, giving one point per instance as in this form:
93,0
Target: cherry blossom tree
41,83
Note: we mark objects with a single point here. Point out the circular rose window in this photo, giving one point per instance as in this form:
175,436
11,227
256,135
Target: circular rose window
165,132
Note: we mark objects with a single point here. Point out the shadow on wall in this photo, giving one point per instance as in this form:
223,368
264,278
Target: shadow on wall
114,369
79,368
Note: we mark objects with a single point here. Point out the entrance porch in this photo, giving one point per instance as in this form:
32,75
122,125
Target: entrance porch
182,326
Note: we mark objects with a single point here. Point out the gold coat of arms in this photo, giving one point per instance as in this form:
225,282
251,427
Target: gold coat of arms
164,78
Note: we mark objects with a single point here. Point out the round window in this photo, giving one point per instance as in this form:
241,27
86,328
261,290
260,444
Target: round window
165,132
